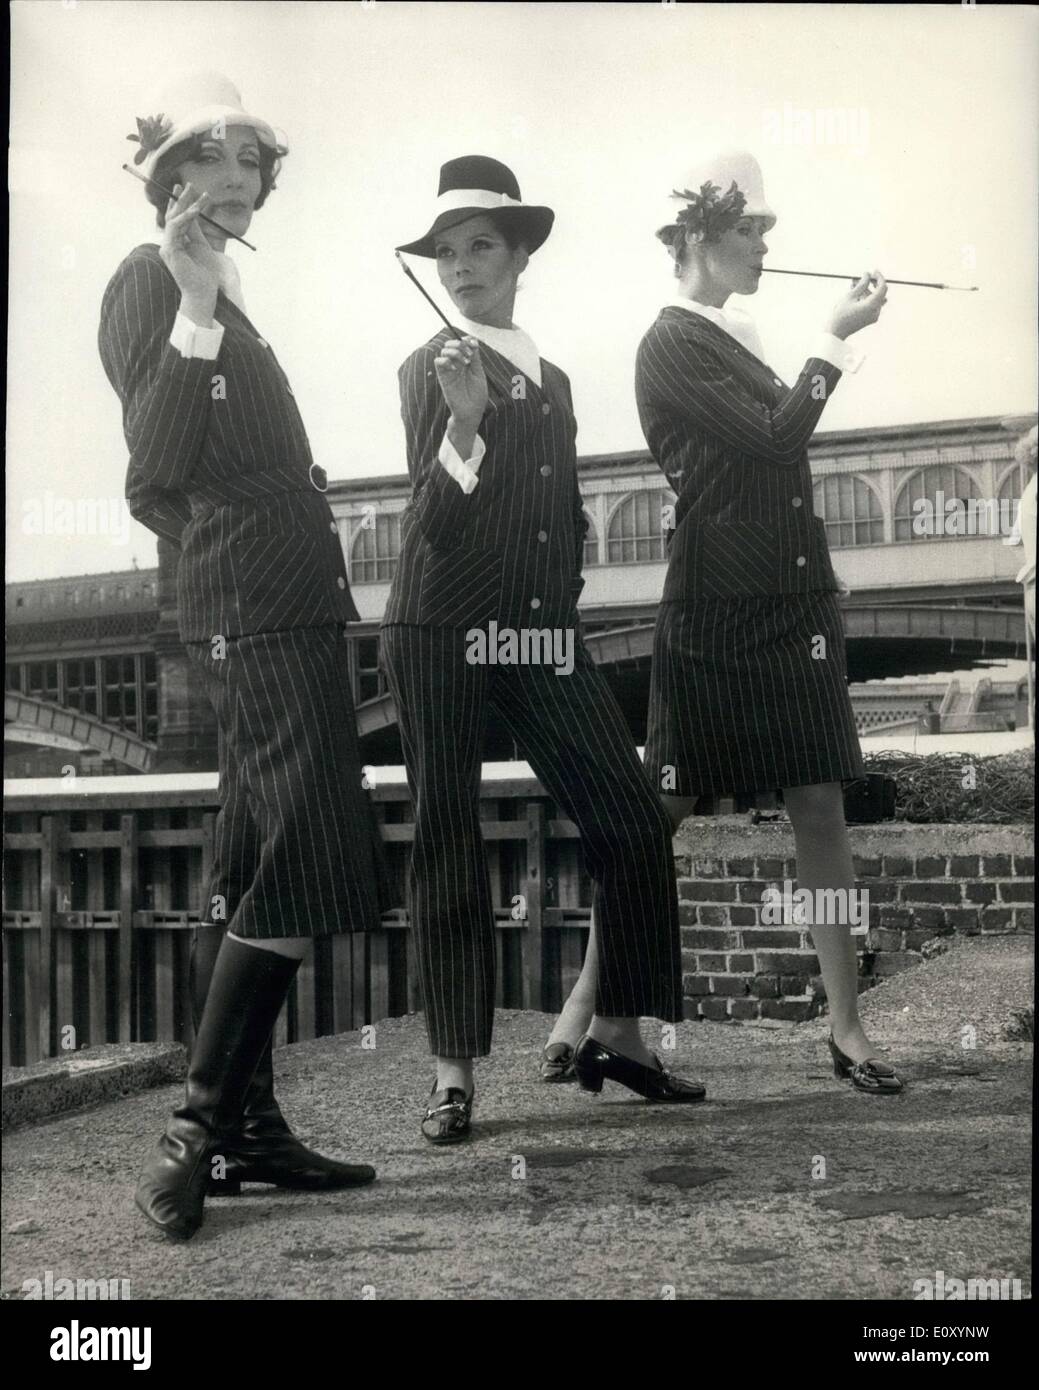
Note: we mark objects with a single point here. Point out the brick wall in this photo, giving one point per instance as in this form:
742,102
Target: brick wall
924,882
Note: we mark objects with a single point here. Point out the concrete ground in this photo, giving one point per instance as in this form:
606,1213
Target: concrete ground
784,1184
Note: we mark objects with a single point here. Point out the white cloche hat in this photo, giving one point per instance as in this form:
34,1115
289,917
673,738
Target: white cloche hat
189,106
723,169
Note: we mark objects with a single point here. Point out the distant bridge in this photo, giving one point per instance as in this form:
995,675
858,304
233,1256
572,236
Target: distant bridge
28,720
877,635
882,638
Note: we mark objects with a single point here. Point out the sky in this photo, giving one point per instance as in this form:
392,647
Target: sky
894,136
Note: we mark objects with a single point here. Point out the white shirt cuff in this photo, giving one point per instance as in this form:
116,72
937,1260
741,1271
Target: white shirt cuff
837,352
464,471
191,340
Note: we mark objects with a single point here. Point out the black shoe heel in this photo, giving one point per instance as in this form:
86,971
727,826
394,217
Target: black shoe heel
594,1063
589,1080
873,1077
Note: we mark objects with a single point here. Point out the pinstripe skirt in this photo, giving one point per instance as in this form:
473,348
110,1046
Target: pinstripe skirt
298,850
750,695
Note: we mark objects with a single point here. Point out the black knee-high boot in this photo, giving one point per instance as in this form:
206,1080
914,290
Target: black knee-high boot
262,1147
246,992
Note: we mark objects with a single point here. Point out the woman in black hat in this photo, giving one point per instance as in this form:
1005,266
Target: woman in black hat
492,544
220,467
749,683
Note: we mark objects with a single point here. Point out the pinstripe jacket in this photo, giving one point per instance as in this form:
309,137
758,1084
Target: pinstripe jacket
512,549
220,465
732,440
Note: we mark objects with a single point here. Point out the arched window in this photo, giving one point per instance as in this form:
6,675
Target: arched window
591,543
375,550
1010,499
636,531
1010,487
926,485
850,509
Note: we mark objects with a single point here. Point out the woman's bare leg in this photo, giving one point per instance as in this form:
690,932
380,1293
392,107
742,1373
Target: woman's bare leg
455,1071
824,860
579,1007
578,1015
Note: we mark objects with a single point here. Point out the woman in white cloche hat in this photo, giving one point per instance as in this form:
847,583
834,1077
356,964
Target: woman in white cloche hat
749,680
220,467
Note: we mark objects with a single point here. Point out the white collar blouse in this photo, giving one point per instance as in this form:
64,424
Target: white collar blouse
736,322
513,343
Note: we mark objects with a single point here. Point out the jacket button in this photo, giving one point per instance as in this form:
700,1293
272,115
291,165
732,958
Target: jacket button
546,409
776,381
535,603
341,582
546,469
542,536
801,562
263,342
333,526
795,501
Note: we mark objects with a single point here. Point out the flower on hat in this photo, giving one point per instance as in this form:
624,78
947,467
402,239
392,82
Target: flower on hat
152,132
710,211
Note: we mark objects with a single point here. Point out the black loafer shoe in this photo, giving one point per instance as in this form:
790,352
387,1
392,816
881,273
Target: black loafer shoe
595,1063
869,1075
557,1063
449,1116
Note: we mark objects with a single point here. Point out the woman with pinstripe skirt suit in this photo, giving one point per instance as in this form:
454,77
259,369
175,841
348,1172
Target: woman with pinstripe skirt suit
220,466
749,684
493,540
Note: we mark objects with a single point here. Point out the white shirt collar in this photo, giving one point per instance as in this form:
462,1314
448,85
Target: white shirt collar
736,322
519,347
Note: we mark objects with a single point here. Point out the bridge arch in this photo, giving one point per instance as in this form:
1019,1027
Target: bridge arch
56,726
963,633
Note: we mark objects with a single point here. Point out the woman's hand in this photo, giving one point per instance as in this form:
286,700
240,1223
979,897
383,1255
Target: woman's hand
463,382
861,305
189,257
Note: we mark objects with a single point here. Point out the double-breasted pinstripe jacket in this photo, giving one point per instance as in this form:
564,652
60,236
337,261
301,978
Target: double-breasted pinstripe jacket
512,549
732,440
220,465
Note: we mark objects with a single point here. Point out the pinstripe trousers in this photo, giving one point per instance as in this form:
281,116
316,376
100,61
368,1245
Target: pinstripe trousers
574,736
297,849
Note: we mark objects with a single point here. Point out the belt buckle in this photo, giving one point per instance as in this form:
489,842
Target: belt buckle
321,486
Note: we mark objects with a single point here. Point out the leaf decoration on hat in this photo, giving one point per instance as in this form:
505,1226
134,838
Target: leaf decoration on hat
710,211
151,133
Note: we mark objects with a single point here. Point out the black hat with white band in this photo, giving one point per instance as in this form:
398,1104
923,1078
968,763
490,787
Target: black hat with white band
474,184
